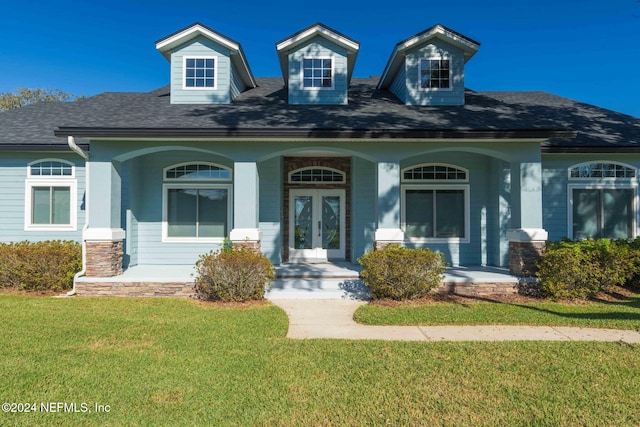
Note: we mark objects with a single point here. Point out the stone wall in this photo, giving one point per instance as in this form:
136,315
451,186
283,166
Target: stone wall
104,259
523,257
478,289
135,289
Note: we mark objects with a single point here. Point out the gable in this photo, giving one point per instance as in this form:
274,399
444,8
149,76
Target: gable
201,48
318,49
206,67
436,55
317,64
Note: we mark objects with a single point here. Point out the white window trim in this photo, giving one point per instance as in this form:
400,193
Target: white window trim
344,179
188,184
436,89
51,181
589,178
465,170
606,185
333,73
467,213
66,162
184,72
165,170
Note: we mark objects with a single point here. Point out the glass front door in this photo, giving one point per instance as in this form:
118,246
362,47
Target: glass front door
316,225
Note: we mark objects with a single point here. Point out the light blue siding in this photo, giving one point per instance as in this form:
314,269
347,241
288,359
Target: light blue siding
399,85
480,249
237,86
363,206
319,47
201,47
145,179
434,49
270,173
13,175
555,198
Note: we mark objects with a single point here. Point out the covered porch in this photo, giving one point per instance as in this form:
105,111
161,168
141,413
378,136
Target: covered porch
340,280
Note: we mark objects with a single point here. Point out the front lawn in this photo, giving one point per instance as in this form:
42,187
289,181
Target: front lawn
180,362
618,310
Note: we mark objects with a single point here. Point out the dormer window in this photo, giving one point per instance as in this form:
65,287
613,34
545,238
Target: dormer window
317,73
200,73
435,74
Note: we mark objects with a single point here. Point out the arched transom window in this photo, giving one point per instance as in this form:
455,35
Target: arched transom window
197,202
602,199
435,172
316,175
50,196
206,171
602,170
435,203
51,168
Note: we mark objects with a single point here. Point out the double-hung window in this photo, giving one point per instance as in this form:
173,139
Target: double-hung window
435,203
50,196
199,72
602,201
317,73
435,74
197,202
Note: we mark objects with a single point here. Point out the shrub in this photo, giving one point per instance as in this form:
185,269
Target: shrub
580,269
39,266
401,273
232,274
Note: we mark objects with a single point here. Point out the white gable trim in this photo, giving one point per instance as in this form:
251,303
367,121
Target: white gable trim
191,33
318,29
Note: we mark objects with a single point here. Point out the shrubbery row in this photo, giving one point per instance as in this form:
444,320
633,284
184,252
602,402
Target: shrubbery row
580,269
39,266
232,274
400,273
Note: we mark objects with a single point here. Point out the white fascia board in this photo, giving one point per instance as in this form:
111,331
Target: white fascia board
317,29
438,30
191,33
398,51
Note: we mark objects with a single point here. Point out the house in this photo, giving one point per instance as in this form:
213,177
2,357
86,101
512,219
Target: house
317,164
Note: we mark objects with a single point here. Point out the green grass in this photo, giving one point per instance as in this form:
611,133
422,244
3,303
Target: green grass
177,362
620,313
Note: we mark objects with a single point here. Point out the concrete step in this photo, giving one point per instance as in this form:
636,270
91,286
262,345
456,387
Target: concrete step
317,288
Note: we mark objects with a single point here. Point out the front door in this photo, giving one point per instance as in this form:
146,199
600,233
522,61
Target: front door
316,225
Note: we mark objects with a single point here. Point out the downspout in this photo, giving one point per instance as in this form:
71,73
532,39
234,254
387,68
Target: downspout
74,147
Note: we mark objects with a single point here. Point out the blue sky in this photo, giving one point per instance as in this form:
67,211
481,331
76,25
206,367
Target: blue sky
588,51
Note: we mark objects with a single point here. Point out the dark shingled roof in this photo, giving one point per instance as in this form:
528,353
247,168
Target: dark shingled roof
371,113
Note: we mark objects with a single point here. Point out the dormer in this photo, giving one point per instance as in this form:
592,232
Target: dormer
428,68
317,64
206,67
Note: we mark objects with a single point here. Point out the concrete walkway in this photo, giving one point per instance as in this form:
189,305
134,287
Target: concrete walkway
334,319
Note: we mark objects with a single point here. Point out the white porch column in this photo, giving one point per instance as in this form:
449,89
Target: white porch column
246,199
104,235
527,237
388,205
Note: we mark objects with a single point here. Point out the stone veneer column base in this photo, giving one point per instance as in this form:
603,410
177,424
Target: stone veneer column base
255,245
387,236
526,247
103,258
246,238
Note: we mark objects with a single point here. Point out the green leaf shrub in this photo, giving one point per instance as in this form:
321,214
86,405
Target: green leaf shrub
402,273
580,269
233,274
39,266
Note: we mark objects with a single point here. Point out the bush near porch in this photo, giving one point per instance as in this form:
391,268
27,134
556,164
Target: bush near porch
580,269
401,273
233,274
39,266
